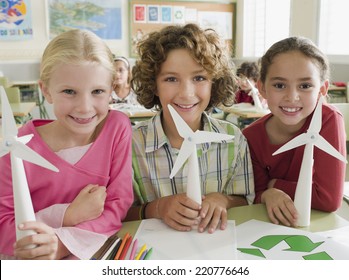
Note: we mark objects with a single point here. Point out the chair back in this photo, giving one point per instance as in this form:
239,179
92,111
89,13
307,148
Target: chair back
344,109
4,81
13,94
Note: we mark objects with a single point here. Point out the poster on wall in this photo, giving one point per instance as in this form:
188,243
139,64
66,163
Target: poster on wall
219,21
15,20
103,17
150,15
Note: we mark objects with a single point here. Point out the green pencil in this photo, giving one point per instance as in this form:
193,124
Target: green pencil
148,255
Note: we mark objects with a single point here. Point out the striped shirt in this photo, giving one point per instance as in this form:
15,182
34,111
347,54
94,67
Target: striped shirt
225,167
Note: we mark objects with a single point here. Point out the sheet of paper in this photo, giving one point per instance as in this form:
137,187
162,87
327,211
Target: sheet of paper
258,240
340,235
169,244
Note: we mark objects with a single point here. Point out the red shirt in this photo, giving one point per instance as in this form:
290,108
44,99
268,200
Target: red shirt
328,172
242,96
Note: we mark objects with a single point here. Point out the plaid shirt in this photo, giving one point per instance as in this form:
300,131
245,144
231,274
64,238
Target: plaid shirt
224,167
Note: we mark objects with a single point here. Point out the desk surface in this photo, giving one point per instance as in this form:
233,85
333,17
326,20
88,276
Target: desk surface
247,111
333,87
21,109
133,112
320,221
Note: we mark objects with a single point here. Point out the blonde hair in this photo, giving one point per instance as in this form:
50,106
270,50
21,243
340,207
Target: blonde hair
75,47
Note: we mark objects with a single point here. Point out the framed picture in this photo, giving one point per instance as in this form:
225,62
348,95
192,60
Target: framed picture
166,14
101,17
139,13
153,13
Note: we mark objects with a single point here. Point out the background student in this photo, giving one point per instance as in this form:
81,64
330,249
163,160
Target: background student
294,73
122,91
188,68
246,71
81,205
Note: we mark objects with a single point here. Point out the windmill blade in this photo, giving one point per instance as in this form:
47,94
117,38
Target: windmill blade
24,152
4,152
254,92
183,129
322,144
206,137
295,142
25,139
184,153
316,121
8,122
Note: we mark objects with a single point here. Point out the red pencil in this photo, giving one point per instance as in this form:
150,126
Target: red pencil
122,246
127,246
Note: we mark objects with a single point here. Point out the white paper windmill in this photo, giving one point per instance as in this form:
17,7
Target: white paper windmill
311,138
188,151
18,152
255,96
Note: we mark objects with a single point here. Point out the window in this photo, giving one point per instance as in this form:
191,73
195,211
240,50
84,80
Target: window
333,37
265,22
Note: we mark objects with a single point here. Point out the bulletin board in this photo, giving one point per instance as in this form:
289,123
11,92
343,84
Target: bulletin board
147,16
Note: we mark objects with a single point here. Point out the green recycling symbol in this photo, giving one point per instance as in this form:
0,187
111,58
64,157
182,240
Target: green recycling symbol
297,243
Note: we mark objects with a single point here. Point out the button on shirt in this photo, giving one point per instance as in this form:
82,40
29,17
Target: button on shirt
225,167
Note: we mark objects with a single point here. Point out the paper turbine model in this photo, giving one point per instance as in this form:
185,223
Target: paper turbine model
188,151
18,152
256,100
311,138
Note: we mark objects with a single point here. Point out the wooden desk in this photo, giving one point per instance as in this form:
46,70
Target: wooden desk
337,94
21,111
135,113
246,112
320,221
333,87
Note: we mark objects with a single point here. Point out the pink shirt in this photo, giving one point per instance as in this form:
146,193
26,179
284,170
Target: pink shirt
106,163
328,172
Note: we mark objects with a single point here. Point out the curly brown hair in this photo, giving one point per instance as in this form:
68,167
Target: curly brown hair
205,47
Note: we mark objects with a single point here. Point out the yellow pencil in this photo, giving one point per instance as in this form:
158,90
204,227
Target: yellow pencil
144,247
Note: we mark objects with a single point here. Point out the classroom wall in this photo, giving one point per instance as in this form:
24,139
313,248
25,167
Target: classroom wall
31,50
26,55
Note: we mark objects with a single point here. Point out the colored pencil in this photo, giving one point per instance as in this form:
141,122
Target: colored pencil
143,255
126,247
148,255
114,251
144,247
121,246
107,253
134,249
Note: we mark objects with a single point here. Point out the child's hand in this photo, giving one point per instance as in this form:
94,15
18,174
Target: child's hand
45,243
213,212
87,205
179,211
280,207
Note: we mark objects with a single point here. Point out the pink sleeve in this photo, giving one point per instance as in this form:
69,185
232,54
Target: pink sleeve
119,188
81,243
52,216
